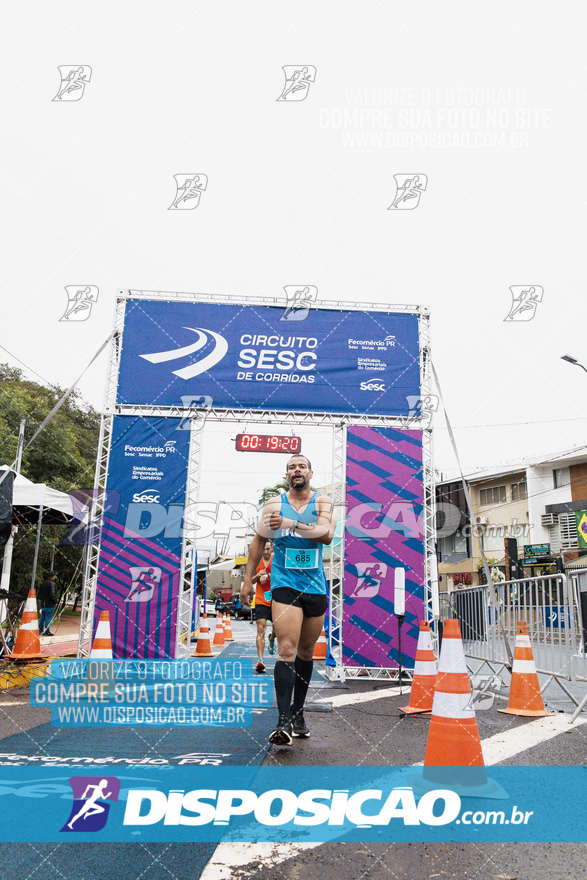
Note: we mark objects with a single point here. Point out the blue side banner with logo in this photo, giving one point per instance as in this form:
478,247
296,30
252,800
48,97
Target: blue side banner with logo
249,357
140,551
323,804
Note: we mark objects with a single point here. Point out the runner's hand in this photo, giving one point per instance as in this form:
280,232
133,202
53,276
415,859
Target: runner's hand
273,521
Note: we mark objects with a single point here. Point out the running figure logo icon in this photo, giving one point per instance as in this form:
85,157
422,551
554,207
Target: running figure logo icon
74,79
409,189
297,82
188,190
79,302
370,576
525,301
145,579
90,802
299,301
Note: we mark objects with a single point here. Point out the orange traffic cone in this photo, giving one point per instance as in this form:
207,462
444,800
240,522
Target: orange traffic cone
228,636
219,641
28,644
203,648
102,645
422,693
525,696
321,647
453,737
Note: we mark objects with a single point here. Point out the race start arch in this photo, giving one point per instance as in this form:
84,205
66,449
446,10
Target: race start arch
181,360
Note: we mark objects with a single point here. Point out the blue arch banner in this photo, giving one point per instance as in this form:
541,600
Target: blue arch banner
249,357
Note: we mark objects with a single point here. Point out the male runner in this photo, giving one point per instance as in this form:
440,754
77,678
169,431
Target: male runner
262,610
301,522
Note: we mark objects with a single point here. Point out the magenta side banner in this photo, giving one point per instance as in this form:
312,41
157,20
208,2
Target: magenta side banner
141,540
383,531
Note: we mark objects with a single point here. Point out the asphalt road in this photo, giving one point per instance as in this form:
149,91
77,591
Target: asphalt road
364,727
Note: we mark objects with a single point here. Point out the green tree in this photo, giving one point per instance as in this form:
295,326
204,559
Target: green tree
271,491
63,456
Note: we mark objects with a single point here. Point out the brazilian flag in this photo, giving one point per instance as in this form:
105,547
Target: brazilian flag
581,520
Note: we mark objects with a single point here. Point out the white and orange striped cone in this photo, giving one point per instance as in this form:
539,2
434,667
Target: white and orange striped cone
525,697
102,644
228,636
28,643
422,692
219,641
454,757
203,648
321,647
453,738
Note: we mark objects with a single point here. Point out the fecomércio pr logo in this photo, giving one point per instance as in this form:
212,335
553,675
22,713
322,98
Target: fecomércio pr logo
91,796
205,338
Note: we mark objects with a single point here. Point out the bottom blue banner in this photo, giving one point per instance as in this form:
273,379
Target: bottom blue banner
318,804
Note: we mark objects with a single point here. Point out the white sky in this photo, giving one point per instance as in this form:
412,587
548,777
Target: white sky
190,88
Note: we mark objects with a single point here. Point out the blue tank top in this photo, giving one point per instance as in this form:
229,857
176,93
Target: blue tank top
297,561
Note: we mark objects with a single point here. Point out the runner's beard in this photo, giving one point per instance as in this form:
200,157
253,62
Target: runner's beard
298,482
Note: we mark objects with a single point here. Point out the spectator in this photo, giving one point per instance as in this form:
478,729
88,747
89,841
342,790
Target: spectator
47,599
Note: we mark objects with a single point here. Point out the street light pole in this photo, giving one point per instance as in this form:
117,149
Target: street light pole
571,360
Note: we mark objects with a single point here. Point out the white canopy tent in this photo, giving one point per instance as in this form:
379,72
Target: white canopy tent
28,497
32,503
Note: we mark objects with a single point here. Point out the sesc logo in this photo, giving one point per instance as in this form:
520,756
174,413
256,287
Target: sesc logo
145,498
372,386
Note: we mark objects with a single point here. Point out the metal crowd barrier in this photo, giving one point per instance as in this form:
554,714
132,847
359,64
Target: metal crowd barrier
489,615
578,580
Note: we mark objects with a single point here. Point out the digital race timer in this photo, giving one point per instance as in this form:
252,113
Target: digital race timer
268,443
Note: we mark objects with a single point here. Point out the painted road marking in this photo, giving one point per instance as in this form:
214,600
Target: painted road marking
350,699
229,858
508,743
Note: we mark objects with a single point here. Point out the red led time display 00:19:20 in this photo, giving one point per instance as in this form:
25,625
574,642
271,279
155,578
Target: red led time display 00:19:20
268,443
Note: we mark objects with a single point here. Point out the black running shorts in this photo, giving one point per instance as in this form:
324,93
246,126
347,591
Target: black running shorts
312,604
262,612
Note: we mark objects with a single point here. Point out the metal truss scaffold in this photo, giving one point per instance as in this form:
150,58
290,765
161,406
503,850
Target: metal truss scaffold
197,417
189,554
98,501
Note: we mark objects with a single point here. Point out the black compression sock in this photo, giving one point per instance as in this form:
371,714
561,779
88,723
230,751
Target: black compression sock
303,670
284,676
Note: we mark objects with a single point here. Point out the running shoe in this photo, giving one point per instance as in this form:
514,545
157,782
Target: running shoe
271,646
300,728
260,667
282,735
